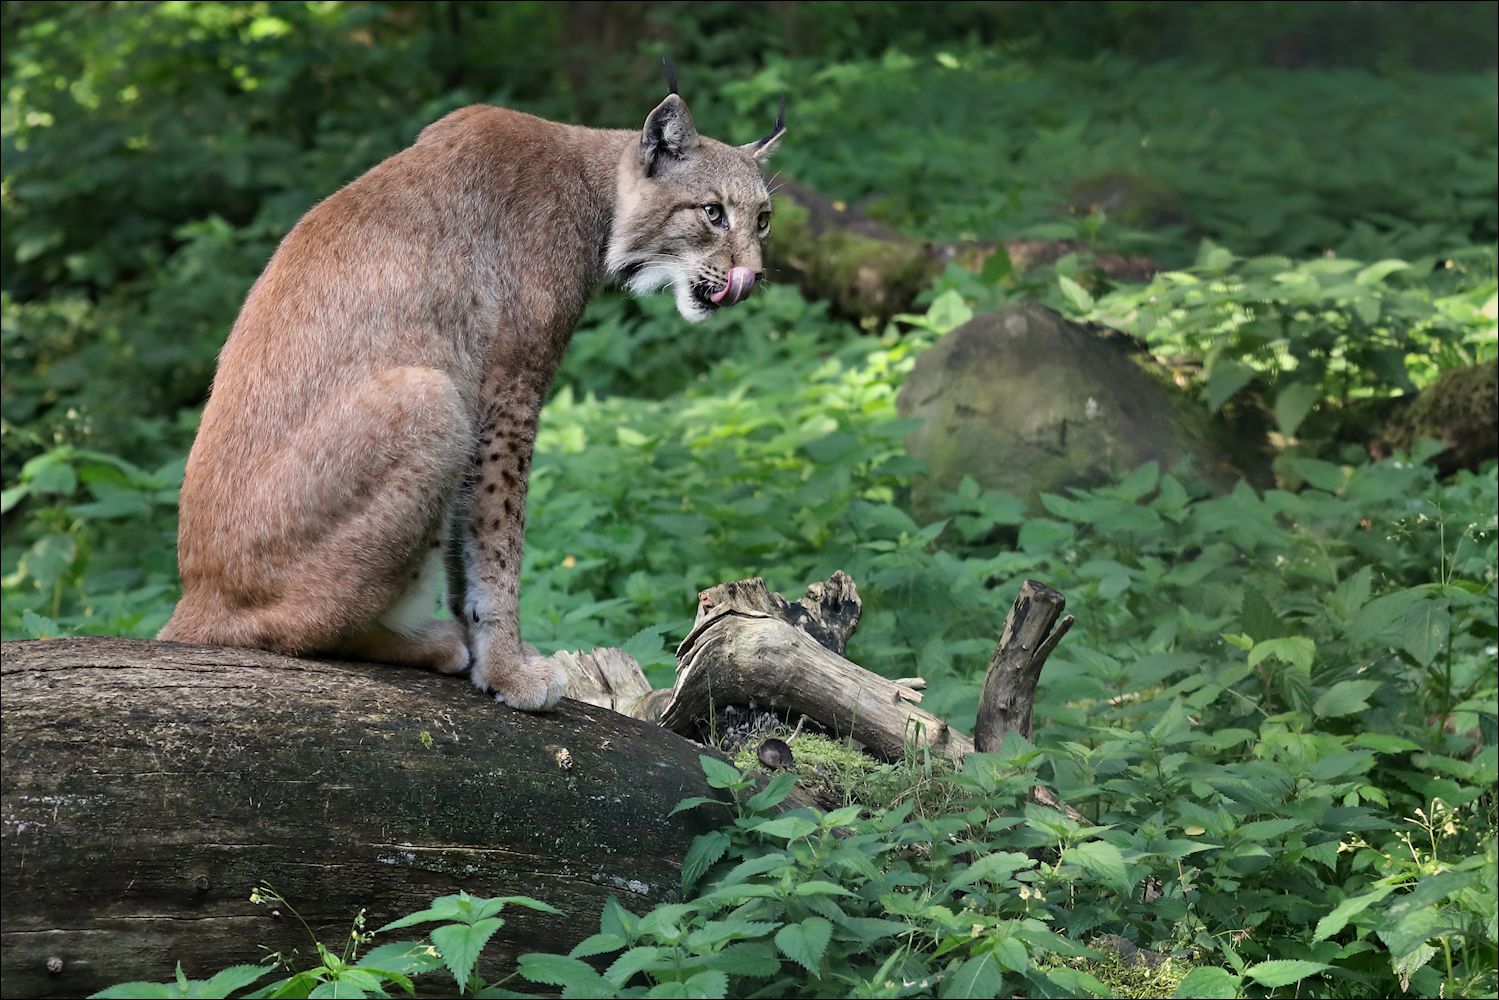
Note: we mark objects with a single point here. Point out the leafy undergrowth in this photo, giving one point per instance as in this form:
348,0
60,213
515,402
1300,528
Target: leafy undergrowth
995,896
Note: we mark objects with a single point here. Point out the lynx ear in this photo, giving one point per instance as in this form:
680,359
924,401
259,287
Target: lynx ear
668,132
761,149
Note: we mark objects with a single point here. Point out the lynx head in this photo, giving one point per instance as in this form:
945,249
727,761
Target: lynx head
690,212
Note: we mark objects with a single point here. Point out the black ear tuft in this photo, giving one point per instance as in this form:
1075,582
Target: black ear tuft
761,149
671,76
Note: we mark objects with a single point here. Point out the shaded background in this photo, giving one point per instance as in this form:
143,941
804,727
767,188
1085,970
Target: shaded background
155,153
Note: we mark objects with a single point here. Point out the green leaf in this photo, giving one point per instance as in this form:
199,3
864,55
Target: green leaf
948,311
772,795
1384,742
789,827
705,850
747,958
840,817
618,921
54,477
1376,272
1076,294
709,985
37,627
716,931
979,977
236,977
997,266
51,557
997,867
646,646
569,973
1292,405
460,944
1424,630
1383,614
720,774
1101,858
750,867
1208,984
410,958
597,944
821,887
1269,829
1228,377
1258,618
9,498
1283,971
1353,905
1344,698
1296,650
1076,983
805,943
1335,765
633,961
1323,475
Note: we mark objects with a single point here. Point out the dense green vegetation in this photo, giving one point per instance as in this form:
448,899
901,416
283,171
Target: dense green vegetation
1277,711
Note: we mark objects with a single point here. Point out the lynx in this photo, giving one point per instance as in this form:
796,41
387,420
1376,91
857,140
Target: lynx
373,417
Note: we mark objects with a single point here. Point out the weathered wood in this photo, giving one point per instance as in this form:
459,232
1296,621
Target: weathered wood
148,787
828,615
744,649
1009,691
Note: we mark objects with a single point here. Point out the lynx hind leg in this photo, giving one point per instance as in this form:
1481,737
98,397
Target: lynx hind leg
407,632
356,506
438,645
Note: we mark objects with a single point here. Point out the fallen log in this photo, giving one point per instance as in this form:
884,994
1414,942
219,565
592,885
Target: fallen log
148,787
750,646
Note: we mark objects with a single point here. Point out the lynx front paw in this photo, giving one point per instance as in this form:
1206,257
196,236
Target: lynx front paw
529,681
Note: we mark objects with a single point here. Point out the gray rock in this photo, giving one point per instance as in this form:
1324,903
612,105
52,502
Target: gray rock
1026,402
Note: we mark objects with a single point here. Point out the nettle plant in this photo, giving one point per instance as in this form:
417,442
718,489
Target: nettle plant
1309,335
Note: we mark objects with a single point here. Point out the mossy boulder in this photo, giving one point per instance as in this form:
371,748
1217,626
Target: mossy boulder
1027,402
1460,409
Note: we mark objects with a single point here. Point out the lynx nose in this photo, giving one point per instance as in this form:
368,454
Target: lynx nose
741,280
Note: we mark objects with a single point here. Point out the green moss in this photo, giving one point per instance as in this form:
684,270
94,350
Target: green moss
867,280
839,774
1131,979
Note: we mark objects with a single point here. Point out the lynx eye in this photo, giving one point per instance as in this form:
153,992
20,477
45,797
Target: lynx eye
714,215
764,222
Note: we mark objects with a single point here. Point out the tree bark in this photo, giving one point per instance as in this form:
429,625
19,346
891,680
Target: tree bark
1009,691
148,787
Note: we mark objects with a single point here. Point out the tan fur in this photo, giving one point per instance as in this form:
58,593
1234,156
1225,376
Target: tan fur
375,407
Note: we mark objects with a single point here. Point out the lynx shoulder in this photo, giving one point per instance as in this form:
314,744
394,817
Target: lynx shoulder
372,420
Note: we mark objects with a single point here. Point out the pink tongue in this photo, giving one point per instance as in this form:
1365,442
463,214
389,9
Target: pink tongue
741,280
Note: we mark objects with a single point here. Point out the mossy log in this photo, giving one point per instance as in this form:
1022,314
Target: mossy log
868,271
149,787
